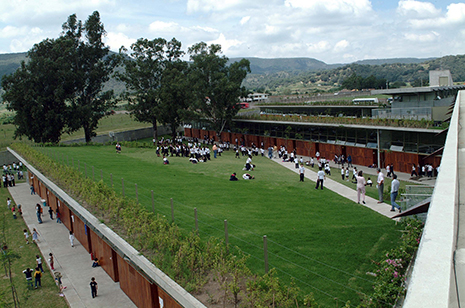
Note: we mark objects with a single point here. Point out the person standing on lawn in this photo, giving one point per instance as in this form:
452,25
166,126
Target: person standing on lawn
39,263
28,272
37,276
394,191
380,186
302,172
320,178
361,183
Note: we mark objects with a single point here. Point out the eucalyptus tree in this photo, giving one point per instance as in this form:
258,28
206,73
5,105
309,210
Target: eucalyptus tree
39,90
216,87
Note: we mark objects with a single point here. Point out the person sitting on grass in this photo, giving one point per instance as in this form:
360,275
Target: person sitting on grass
233,177
165,160
369,182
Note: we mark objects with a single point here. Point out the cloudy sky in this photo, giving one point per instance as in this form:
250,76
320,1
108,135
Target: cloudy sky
334,31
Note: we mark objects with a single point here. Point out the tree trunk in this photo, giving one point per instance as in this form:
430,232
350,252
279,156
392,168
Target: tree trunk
155,130
173,133
87,133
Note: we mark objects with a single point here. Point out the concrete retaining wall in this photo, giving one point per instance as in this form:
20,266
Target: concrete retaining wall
130,135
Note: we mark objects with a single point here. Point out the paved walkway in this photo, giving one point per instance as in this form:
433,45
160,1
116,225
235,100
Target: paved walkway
349,193
73,263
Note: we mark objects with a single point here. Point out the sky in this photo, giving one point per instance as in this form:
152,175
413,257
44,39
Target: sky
333,31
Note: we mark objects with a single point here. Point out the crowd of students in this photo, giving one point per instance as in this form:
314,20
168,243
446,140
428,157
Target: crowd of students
10,172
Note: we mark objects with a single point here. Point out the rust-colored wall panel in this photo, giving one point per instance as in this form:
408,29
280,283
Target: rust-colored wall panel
52,201
188,132
102,251
80,232
136,287
168,302
65,216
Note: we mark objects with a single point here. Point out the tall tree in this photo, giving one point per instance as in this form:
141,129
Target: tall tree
39,89
143,68
174,92
216,87
60,88
92,67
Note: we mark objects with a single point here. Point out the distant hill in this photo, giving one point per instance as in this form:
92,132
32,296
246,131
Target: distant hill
270,66
392,61
305,75
10,62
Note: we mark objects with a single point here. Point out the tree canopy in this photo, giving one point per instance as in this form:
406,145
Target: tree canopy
60,88
156,79
216,87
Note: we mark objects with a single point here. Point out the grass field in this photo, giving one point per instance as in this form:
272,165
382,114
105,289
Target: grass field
322,241
12,232
114,123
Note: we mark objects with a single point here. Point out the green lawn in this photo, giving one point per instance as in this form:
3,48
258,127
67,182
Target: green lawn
323,240
114,123
12,232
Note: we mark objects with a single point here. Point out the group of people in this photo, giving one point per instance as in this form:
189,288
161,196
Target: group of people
9,173
424,170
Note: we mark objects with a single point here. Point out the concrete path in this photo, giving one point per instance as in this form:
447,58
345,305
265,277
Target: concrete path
74,264
349,193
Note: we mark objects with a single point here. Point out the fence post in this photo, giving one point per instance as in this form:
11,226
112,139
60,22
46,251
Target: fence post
153,204
137,194
265,249
101,174
172,210
122,185
196,222
226,236
111,178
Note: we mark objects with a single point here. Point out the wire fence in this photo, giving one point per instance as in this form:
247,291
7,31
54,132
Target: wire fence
252,244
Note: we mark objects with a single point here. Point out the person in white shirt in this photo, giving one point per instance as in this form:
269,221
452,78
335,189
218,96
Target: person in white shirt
302,172
343,172
320,178
248,163
380,182
394,191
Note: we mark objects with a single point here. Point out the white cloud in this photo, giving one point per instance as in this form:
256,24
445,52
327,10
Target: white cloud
244,20
417,9
341,46
456,13
211,5
333,31
225,43
10,31
319,47
343,7
164,26
428,37
116,40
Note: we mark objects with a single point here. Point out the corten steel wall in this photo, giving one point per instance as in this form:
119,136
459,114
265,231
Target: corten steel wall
142,282
360,156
